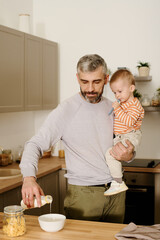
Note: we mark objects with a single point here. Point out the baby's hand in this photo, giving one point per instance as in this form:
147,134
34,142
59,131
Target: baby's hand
116,104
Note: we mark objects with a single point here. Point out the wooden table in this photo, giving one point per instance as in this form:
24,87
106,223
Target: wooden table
73,230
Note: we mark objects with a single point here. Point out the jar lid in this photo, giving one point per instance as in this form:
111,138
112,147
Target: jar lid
13,209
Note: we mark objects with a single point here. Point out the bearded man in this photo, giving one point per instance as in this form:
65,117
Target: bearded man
83,125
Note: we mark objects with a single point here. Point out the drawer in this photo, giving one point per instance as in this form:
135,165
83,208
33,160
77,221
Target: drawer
139,179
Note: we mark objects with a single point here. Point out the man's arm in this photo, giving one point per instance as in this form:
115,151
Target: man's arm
48,135
122,153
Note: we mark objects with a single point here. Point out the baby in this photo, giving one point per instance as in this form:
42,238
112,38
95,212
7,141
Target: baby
127,122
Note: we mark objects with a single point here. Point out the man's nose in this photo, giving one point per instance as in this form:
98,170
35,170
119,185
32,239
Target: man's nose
90,87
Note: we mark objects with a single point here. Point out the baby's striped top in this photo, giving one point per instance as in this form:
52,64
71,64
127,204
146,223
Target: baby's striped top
128,117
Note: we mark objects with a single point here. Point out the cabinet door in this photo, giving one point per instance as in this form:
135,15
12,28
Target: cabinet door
12,197
1,202
11,70
33,72
50,74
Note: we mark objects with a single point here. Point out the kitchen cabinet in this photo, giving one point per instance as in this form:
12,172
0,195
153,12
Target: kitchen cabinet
41,85
11,70
28,72
50,186
141,187
33,72
50,75
148,181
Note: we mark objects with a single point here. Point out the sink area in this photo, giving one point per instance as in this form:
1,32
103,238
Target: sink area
9,173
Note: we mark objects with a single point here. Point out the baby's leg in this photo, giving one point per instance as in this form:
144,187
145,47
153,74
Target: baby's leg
115,167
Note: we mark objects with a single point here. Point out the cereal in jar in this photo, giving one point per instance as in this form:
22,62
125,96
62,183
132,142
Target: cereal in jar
14,221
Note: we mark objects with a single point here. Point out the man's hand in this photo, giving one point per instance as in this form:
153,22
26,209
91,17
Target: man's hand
122,153
30,188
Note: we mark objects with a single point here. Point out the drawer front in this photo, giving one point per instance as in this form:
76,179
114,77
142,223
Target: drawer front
139,179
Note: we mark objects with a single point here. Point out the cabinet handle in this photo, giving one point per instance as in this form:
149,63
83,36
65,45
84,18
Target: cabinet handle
137,190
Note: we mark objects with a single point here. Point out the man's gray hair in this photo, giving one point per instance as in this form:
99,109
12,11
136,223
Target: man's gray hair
91,62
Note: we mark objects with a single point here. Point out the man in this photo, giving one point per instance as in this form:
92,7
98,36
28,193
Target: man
83,124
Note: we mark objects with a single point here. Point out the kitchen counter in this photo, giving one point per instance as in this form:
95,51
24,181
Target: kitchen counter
52,164
73,229
142,169
46,166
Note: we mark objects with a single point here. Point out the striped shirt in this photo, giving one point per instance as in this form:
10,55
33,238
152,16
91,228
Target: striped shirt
128,117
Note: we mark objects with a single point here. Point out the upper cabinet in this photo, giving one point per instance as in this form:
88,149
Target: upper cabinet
33,73
50,75
11,70
28,72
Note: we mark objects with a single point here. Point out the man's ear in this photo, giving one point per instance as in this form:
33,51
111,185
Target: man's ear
77,77
132,88
106,79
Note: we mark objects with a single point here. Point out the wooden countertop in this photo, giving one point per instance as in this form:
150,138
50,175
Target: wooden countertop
73,229
46,166
52,164
143,170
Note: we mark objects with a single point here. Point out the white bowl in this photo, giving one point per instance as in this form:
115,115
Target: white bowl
51,222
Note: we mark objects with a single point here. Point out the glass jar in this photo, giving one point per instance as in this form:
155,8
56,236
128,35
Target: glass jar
19,153
14,221
4,160
155,100
8,152
61,152
145,100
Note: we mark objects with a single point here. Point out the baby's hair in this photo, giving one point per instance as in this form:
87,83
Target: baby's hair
123,74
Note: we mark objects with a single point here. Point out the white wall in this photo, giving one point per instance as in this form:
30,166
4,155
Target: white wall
121,31
10,10
16,128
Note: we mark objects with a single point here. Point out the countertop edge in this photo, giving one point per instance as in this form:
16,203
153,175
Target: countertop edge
45,167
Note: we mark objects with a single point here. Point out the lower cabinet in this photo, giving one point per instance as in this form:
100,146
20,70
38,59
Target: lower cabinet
50,185
140,207
11,197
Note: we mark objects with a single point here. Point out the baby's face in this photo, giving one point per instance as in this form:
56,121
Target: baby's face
122,90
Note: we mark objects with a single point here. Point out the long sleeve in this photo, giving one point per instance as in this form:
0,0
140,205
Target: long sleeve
47,136
128,118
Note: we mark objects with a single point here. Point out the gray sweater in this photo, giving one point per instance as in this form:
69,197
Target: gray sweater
86,131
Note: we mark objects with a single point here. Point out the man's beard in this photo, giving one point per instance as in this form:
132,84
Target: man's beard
97,96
